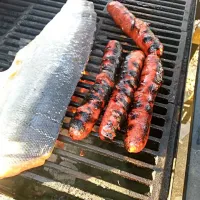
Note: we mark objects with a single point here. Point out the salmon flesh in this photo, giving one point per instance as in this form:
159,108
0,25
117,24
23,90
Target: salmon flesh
38,86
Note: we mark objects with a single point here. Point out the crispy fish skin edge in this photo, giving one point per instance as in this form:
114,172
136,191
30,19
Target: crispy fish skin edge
23,166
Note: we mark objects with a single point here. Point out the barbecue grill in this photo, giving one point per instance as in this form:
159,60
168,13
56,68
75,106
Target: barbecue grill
93,169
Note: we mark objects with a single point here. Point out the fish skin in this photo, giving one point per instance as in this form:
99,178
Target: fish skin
38,86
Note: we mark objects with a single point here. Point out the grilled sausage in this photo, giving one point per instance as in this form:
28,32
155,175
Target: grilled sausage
122,96
139,118
135,28
87,114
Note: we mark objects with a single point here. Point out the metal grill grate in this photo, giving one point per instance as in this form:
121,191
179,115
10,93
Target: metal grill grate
92,169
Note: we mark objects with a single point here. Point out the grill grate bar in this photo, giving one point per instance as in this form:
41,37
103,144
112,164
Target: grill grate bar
18,3
47,9
127,47
162,12
30,24
12,7
9,14
103,167
7,48
158,32
41,20
126,42
108,21
4,65
15,42
7,19
6,57
58,186
97,181
152,25
170,4
141,15
116,142
50,3
18,35
42,14
76,104
108,153
157,6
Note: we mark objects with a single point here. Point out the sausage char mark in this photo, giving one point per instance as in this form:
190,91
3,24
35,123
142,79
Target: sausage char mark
135,28
122,96
87,114
139,118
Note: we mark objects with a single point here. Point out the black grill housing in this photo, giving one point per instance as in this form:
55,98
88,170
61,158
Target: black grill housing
106,170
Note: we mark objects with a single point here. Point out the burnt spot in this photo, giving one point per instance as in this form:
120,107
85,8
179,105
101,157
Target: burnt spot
117,49
111,58
133,115
77,124
130,127
154,47
109,124
100,88
150,99
98,104
93,97
108,67
95,87
147,31
148,109
152,88
98,93
85,116
132,83
108,48
123,101
105,83
125,65
121,84
159,73
123,73
147,38
159,66
108,137
126,12
107,95
111,75
122,116
128,92
133,73
118,112
158,78
103,88
117,46
137,104
146,129
132,23
135,64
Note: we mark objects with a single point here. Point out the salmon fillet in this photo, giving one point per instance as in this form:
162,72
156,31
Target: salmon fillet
37,88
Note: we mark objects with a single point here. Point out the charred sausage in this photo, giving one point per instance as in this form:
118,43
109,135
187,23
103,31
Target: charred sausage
135,28
139,118
87,114
122,96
